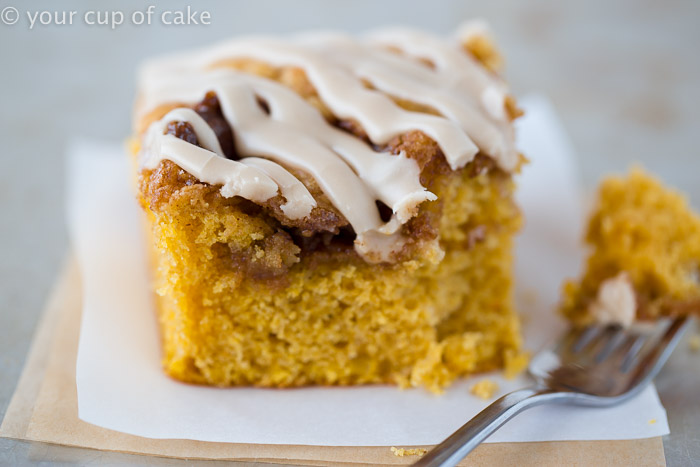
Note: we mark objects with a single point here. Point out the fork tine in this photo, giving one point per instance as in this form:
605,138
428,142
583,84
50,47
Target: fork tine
568,342
623,356
589,333
599,341
614,335
661,349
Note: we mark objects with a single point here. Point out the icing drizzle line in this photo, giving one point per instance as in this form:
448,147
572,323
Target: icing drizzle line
351,174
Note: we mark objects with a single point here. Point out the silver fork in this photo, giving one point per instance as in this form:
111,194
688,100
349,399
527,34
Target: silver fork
594,366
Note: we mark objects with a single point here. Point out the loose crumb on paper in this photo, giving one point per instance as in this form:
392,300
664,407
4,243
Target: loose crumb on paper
484,389
694,343
652,421
401,452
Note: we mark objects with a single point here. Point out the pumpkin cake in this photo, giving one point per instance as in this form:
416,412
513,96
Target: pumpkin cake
326,209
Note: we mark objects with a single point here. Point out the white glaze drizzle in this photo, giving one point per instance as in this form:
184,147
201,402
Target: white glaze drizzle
447,89
348,171
204,163
616,301
343,92
299,201
458,69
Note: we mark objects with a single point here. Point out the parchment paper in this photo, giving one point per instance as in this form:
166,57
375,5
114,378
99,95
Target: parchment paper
44,406
121,386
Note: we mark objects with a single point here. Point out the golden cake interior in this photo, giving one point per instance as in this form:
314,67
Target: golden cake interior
247,296
649,233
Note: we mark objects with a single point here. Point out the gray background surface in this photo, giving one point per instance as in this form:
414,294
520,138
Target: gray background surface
623,75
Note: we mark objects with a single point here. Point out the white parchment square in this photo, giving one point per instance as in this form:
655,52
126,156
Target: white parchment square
121,385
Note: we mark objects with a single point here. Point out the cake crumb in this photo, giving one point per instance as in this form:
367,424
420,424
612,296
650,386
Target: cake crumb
694,343
515,363
652,421
401,452
475,37
484,389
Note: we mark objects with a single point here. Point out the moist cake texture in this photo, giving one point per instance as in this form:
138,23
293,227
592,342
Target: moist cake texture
326,209
645,255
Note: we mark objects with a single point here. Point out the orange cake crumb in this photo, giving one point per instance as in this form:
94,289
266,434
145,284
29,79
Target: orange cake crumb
694,343
484,389
402,452
516,363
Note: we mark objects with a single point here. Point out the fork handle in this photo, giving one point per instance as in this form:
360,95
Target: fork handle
476,430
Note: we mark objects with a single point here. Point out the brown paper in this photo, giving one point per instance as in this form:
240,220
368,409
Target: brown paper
44,408
16,420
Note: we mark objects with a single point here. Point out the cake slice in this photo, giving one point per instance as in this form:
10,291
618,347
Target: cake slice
331,210
645,255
